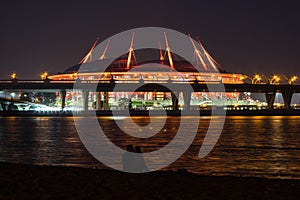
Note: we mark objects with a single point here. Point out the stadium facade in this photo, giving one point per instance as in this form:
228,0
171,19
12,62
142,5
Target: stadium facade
151,66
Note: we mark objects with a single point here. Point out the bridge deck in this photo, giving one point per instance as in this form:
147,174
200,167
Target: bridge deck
144,86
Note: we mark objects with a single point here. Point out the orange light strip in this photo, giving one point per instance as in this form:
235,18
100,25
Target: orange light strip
131,52
161,57
131,76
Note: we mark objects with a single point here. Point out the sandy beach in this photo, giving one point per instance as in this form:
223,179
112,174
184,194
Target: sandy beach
47,182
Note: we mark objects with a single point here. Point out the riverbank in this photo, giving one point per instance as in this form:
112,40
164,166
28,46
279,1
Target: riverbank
278,112
36,182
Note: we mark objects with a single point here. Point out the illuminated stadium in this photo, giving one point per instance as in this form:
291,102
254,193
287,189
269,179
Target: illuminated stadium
151,65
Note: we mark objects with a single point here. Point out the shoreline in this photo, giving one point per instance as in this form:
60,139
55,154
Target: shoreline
32,181
155,113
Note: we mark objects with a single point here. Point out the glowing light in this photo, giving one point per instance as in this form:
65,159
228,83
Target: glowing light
259,105
13,75
131,52
256,79
275,79
292,79
44,75
73,76
277,105
161,57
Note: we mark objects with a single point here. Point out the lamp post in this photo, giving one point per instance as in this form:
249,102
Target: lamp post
13,77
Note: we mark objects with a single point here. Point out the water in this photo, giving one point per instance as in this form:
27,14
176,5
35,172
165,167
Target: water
248,146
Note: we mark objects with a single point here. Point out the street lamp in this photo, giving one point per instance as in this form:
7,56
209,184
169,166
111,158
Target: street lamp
275,79
44,76
256,79
13,76
292,80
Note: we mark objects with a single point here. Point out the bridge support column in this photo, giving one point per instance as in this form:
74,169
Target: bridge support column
62,95
187,99
85,94
3,106
98,101
106,98
287,98
175,96
270,97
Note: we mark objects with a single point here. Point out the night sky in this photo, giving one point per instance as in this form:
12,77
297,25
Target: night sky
243,36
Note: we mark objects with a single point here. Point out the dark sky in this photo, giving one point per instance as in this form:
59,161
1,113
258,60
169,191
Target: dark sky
243,36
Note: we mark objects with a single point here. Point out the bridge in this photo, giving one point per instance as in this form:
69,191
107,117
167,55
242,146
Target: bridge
109,85
122,74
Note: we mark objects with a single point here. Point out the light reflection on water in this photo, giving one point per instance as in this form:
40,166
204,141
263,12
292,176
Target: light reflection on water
249,146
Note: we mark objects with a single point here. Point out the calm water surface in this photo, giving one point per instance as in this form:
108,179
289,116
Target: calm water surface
248,146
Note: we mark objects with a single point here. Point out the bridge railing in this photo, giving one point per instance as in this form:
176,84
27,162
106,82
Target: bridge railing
129,81
61,81
30,81
35,81
5,81
106,81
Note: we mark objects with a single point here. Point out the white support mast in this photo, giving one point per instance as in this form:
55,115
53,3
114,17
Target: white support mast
215,65
131,53
198,54
104,51
88,56
168,51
